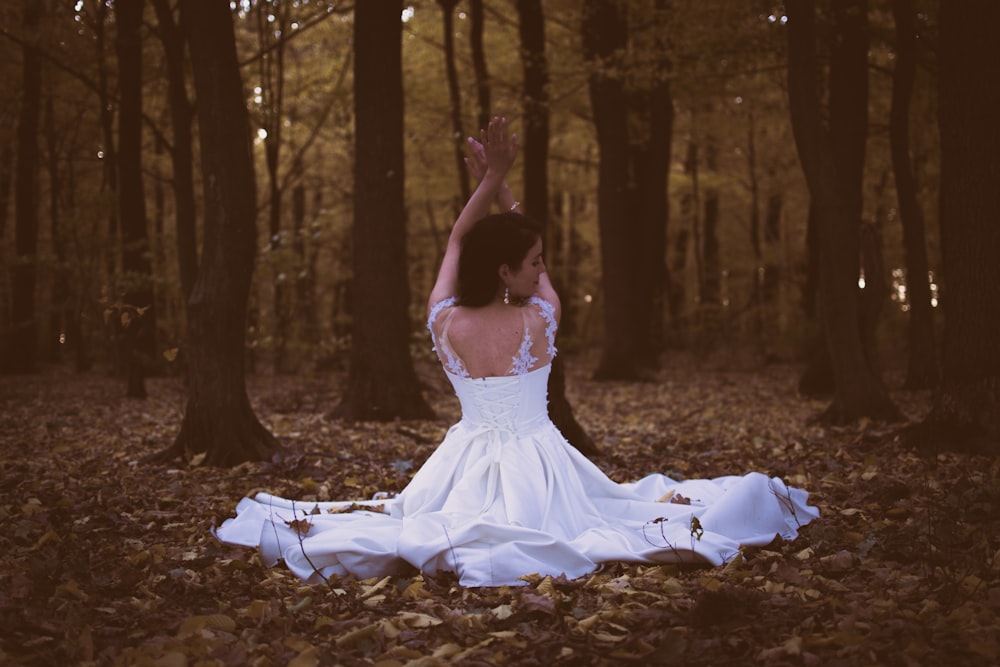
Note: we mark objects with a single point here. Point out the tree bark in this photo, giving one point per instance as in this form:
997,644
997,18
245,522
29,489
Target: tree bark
181,150
710,286
604,41
857,393
849,133
848,126
21,353
218,418
6,178
966,410
136,336
458,133
109,156
650,170
381,383
922,369
61,316
479,61
531,28
273,17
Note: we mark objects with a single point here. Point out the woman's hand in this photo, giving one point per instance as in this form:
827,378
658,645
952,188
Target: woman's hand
499,147
476,162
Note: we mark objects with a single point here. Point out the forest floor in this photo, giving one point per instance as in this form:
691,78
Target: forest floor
106,560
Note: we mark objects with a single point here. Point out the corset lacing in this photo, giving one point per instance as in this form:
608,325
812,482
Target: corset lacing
496,406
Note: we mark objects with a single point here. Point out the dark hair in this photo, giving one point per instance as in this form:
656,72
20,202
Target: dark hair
502,238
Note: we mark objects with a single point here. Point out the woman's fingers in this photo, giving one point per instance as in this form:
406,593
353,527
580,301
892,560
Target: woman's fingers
497,148
497,130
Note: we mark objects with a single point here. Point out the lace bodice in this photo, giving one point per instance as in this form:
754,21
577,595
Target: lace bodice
537,346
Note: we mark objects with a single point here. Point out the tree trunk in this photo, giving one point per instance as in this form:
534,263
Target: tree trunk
109,156
307,321
479,60
849,133
181,151
849,104
858,393
711,270
650,161
692,205
21,352
772,236
921,370
650,171
848,112
137,336
6,178
604,41
966,410
458,133
536,190
381,383
218,418
271,18
62,297
676,292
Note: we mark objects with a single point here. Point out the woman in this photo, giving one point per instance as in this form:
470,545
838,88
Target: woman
505,495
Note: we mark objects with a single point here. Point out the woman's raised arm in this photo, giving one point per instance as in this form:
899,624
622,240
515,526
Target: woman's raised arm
499,150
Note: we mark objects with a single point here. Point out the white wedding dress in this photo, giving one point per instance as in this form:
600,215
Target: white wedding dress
505,495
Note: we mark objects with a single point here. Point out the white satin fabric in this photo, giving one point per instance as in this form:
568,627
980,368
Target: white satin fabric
505,495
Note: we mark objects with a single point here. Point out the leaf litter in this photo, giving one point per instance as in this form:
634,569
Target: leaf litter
107,560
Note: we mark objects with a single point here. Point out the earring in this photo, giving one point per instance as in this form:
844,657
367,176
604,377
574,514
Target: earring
506,295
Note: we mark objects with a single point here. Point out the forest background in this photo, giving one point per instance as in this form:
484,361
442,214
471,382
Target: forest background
735,261
749,183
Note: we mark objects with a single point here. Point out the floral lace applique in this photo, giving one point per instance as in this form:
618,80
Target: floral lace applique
521,363
524,360
450,360
548,311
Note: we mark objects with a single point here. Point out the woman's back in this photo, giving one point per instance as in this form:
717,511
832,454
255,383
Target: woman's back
494,340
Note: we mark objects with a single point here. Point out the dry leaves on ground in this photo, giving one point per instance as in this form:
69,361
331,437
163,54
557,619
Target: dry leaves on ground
110,561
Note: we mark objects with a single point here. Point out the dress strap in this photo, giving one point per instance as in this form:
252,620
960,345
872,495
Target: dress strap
439,337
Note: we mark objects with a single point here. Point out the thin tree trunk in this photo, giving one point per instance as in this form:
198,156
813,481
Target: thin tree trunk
136,334
710,292
858,393
218,418
273,17
676,292
305,280
921,370
21,353
691,168
6,178
181,150
479,60
61,311
759,272
109,157
458,133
